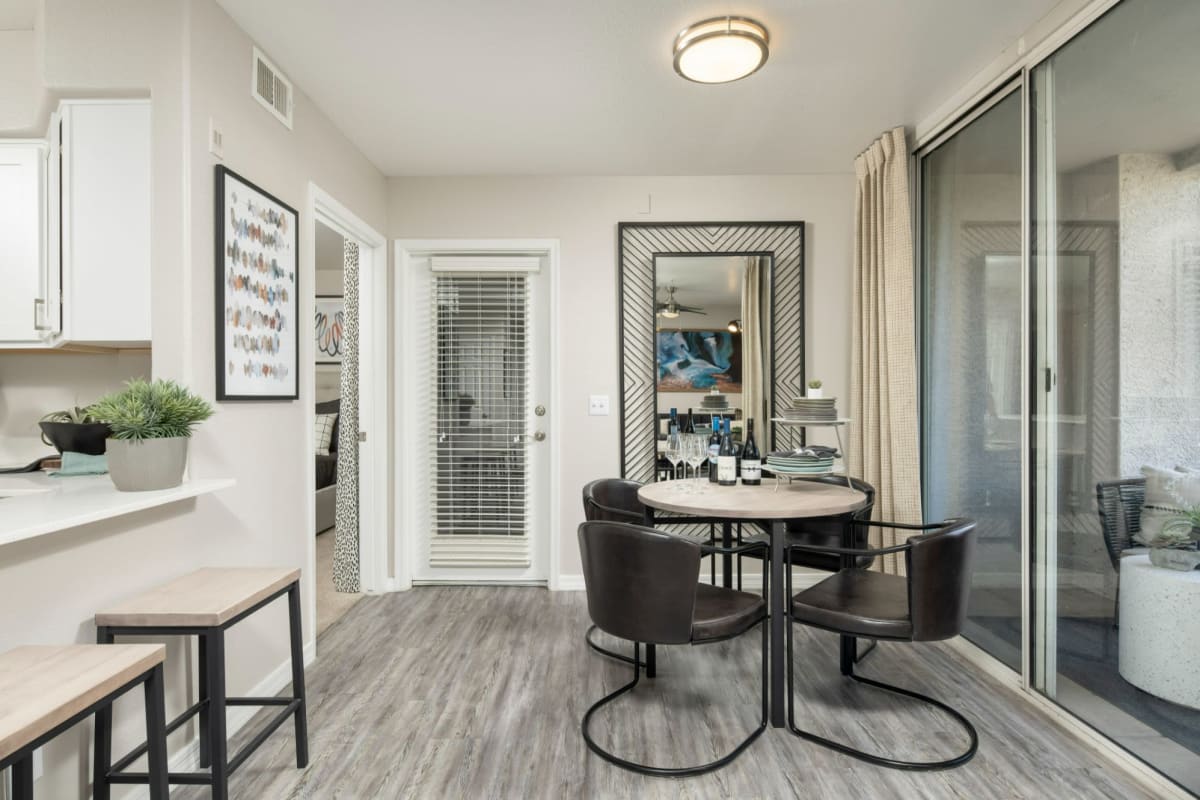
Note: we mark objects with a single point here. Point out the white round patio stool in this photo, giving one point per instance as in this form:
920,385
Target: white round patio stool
1159,642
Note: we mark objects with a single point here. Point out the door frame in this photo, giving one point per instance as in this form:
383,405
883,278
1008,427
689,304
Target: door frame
406,536
372,390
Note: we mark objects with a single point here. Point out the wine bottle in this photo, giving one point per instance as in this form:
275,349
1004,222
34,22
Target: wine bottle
714,447
674,423
689,426
751,458
727,460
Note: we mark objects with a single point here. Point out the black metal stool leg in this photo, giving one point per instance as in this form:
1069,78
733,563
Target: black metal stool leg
217,747
156,735
203,714
22,778
298,675
102,738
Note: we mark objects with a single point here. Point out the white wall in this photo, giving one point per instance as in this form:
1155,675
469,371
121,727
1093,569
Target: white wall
195,64
32,385
583,214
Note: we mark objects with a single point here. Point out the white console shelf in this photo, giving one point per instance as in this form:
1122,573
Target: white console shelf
36,504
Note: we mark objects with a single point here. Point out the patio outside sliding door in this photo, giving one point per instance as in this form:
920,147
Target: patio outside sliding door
1115,254
971,356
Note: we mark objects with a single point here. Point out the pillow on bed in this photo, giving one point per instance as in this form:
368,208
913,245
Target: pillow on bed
324,432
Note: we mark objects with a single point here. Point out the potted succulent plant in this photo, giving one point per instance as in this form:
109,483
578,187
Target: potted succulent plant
151,423
75,430
814,390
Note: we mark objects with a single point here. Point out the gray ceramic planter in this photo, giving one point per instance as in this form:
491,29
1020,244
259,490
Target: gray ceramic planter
146,465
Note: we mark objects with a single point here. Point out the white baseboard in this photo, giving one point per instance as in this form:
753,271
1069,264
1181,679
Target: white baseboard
236,718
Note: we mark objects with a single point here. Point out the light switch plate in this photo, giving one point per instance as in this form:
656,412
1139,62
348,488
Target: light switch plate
216,139
598,405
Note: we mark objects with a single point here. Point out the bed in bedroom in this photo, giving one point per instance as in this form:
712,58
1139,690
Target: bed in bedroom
326,467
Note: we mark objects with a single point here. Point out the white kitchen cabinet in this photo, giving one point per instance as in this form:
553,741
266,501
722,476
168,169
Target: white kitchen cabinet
22,241
98,262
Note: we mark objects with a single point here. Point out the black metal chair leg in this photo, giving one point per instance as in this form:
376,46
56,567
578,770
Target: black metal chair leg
673,772
871,758
156,736
587,637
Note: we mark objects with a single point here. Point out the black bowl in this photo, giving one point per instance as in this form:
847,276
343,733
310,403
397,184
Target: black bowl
88,438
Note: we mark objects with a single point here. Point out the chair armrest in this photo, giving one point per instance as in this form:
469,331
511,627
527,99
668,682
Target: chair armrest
710,549
906,526
845,551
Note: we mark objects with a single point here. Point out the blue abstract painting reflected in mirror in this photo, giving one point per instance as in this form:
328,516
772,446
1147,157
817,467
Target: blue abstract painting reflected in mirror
696,361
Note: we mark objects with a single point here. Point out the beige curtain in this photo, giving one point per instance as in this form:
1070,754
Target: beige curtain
754,378
884,447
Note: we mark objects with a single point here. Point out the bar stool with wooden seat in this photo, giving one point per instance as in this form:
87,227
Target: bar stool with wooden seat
205,604
46,689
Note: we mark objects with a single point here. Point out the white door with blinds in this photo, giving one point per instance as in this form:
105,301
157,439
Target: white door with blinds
481,458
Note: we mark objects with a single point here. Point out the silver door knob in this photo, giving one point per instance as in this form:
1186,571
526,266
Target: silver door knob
539,436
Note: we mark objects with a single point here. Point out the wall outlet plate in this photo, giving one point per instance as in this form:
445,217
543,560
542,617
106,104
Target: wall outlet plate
598,405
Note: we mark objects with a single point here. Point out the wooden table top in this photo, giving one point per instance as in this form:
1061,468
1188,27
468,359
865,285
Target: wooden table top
205,598
798,500
43,686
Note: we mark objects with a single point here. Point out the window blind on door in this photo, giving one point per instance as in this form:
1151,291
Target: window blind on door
480,386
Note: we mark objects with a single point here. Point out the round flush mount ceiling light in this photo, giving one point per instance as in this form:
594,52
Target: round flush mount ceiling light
721,49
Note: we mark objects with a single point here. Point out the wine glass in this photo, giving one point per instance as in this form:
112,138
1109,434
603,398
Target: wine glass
696,452
674,452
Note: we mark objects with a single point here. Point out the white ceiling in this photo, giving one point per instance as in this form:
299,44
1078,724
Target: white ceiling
478,87
709,282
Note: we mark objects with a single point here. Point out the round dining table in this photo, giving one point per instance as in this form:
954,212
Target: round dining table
771,505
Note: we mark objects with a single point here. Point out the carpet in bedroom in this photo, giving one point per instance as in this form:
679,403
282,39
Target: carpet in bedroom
331,604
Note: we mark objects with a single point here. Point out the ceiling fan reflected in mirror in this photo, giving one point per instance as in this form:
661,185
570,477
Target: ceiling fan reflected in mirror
671,309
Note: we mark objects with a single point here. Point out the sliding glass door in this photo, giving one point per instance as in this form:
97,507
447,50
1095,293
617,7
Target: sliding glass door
971,364
1061,372
1115,224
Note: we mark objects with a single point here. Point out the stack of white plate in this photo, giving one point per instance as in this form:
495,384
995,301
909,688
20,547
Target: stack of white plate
820,409
715,402
782,464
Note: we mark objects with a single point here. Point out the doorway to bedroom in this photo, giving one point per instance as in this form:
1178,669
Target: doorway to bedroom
335,595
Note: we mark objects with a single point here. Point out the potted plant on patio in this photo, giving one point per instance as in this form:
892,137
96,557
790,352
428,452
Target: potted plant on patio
151,423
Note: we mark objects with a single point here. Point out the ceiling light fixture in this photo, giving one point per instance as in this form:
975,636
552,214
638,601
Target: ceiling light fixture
721,49
734,326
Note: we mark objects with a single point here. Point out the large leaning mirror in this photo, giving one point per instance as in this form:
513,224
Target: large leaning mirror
712,320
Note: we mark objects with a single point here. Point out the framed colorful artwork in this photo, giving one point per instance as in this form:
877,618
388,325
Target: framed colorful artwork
257,330
329,328
696,361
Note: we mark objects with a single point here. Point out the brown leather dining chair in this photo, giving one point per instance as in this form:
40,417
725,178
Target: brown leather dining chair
928,604
642,585
616,500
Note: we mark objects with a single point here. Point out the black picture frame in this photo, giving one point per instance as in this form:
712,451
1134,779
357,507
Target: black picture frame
222,176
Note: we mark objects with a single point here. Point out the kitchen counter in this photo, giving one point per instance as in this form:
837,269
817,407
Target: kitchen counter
35,504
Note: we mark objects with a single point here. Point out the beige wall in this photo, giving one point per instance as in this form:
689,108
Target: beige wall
195,64
583,214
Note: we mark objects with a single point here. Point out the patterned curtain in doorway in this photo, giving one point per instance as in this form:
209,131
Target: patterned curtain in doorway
345,543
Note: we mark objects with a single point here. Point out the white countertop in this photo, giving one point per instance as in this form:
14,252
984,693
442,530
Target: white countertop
34,504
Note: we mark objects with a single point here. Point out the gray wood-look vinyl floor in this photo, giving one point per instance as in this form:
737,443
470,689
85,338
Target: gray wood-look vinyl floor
478,693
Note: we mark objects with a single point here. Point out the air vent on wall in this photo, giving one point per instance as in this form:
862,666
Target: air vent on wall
271,88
